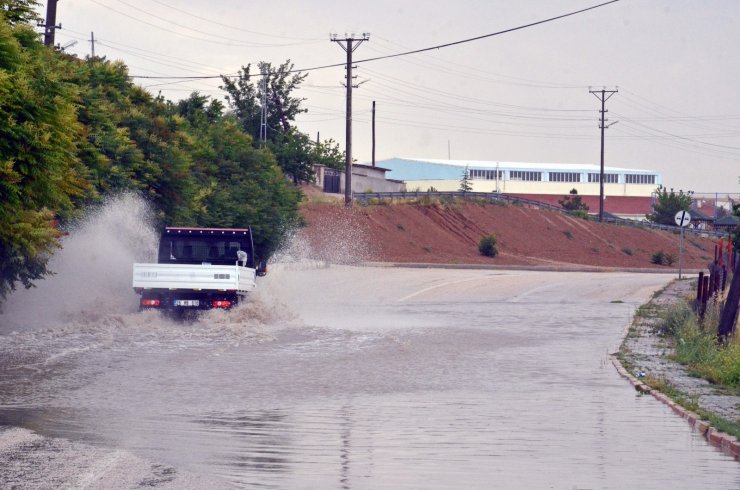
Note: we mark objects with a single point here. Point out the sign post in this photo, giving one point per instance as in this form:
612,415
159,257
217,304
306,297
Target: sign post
682,218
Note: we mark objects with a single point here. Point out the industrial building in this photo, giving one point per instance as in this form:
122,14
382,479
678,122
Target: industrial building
628,192
521,178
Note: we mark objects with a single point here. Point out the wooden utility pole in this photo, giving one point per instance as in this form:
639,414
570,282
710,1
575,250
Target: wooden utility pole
603,97
349,47
92,44
50,26
729,312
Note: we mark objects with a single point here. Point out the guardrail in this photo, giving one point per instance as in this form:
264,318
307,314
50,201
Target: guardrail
495,196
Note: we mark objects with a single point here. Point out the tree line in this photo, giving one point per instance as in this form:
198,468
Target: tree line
73,131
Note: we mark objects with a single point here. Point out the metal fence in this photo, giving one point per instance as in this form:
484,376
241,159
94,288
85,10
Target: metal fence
364,197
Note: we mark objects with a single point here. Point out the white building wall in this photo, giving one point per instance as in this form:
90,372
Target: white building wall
525,187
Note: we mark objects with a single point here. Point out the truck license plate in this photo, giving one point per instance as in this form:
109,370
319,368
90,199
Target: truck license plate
187,302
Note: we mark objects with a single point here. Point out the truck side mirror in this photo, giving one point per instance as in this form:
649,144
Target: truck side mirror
262,269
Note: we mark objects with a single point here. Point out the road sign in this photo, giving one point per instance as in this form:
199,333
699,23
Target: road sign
683,218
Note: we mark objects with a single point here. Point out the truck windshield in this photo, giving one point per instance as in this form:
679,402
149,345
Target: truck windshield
198,250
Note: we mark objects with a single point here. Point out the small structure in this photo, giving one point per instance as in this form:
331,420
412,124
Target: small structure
728,223
365,178
700,220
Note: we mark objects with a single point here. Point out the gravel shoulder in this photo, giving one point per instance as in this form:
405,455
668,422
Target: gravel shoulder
645,356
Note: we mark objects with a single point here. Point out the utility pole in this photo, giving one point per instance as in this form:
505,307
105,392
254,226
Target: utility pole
92,43
50,26
373,133
349,47
603,95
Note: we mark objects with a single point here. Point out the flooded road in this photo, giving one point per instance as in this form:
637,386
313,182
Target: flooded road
350,377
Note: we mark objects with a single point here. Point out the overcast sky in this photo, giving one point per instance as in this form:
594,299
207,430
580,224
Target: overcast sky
519,97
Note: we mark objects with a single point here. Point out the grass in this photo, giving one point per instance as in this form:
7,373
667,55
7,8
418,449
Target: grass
695,345
568,234
627,251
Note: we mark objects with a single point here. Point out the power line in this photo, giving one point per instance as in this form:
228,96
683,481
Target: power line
232,42
439,46
234,27
484,36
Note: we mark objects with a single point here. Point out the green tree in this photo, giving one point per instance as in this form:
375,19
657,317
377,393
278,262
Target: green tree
465,183
20,11
573,202
294,150
240,185
237,185
276,84
41,174
667,204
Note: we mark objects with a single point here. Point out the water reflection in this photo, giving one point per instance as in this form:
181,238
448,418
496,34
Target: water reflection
260,436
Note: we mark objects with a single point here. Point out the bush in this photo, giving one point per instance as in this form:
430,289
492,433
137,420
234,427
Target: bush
487,246
658,258
676,317
670,259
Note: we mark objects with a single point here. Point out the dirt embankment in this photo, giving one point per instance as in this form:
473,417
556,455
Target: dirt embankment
449,234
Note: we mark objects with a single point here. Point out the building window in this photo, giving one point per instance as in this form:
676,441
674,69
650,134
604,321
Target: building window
639,179
524,175
608,178
565,177
478,174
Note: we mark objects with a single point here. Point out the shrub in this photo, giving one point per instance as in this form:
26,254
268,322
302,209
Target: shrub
487,246
568,234
658,258
670,259
580,213
627,251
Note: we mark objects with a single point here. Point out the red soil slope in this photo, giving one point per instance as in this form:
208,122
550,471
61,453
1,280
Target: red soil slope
435,233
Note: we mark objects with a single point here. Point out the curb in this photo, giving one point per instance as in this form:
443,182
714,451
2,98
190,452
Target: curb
725,442
549,268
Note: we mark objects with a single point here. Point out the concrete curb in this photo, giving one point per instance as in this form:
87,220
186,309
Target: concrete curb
725,442
551,268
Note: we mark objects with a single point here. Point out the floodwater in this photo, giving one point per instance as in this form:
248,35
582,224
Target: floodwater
332,377
351,377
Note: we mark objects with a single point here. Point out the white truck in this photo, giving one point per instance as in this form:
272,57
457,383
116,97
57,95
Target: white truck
198,269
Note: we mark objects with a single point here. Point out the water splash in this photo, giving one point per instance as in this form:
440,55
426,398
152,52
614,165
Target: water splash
335,236
92,270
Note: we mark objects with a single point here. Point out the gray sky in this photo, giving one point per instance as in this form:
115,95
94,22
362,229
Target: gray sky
522,96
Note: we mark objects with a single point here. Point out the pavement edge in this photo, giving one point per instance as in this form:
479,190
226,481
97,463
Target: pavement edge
727,443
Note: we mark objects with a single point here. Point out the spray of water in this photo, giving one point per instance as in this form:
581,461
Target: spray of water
90,291
92,271
335,237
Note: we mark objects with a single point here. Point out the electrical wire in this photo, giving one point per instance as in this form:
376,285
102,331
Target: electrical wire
437,47
232,42
233,27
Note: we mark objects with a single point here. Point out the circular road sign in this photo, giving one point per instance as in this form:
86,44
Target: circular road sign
682,218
